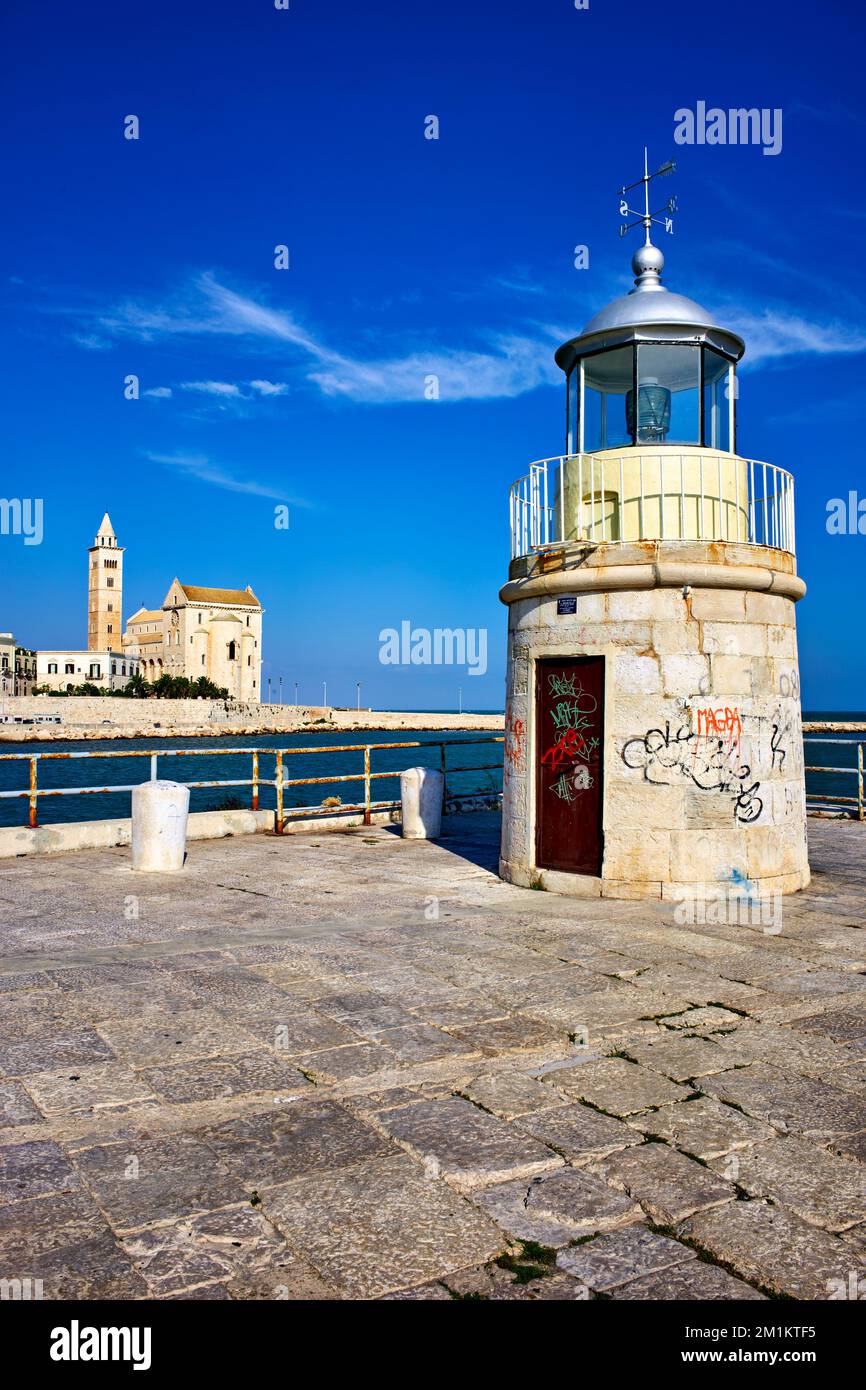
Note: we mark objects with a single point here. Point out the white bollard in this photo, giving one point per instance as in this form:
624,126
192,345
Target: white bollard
159,816
421,792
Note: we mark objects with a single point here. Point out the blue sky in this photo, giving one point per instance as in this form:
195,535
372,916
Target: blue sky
408,256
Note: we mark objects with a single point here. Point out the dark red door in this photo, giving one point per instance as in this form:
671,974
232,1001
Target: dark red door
569,722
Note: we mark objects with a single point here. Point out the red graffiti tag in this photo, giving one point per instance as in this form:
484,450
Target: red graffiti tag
720,723
568,745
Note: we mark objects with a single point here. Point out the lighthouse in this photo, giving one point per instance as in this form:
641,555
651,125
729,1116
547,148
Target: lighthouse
653,724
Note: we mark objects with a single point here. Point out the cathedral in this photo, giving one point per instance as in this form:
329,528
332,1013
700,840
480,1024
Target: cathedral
198,631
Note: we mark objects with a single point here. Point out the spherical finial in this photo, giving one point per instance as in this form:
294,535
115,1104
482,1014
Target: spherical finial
647,264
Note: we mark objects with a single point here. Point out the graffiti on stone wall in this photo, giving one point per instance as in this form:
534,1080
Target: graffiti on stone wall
570,784
574,746
711,763
722,723
513,742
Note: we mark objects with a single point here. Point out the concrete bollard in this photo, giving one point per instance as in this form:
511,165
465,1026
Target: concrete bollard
422,790
159,816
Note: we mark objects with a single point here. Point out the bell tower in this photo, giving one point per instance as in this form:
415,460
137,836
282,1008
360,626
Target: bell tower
653,725
105,590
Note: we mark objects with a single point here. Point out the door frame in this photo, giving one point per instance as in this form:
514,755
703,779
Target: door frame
537,659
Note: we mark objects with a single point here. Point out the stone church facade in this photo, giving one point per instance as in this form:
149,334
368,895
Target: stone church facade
200,631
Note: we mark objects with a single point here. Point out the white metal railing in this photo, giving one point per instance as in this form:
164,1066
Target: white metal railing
659,496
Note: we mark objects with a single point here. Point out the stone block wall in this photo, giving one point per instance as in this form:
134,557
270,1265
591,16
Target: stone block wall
703,752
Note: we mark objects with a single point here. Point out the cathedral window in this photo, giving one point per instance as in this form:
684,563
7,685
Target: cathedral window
231,651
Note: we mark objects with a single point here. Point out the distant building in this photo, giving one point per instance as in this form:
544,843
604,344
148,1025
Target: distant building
105,590
7,664
61,670
25,670
17,667
199,631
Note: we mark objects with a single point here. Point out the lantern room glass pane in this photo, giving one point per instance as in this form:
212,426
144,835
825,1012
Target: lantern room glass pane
607,379
669,394
718,389
572,406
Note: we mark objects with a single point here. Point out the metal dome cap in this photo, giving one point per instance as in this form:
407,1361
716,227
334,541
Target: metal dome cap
650,311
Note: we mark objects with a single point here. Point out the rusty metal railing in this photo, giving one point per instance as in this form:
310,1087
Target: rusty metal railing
832,801
279,782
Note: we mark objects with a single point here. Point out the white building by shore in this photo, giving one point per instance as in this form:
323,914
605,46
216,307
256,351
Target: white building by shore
61,670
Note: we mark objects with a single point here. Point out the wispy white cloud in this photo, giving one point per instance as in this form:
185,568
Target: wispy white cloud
502,365
270,388
774,334
212,388
91,341
206,471
510,366
160,393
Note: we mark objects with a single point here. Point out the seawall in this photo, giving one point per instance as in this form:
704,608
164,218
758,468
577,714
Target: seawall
105,716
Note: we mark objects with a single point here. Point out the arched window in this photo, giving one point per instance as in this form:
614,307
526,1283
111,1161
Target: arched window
231,651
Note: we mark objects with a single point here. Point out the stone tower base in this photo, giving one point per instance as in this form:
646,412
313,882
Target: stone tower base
703,782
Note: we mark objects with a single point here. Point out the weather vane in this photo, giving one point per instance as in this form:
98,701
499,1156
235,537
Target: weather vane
662,215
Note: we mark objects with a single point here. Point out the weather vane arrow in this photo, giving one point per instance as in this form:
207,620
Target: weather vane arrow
663,215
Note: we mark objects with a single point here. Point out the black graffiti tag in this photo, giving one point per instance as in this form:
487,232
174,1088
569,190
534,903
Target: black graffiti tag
711,764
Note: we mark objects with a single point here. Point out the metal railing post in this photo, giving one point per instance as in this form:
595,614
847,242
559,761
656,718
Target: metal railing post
255,799
367,813
33,794
861,811
278,780
153,772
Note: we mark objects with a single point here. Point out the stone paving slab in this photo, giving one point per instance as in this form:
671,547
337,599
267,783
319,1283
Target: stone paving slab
34,1168
579,1133
466,1145
817,1186
772,1249
227,1075
579,1200
668,1185
613,1260
697,1281
16,1107
283,1076
682,1058
279,1145
156,1179
510,1094
617,1087
236,1247
704,1128
105,1085
380,1226
794,1103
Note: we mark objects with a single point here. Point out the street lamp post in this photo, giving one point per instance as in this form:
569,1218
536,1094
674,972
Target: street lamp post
296,694
358,689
